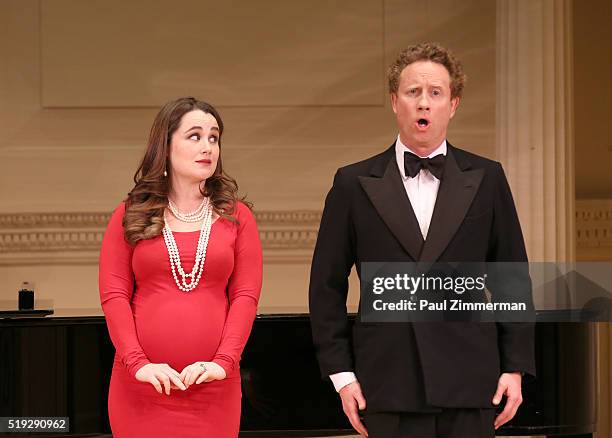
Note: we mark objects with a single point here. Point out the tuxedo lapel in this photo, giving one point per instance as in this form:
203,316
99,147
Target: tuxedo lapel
386,192
455,195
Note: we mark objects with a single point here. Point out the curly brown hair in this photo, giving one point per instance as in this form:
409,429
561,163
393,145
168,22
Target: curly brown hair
433,52
145,203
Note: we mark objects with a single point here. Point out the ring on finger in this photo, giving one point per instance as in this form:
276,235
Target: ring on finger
203,367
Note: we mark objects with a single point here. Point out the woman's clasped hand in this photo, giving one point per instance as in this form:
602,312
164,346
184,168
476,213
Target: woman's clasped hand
164,378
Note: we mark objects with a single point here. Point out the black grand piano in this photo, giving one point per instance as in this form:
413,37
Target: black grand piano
59,366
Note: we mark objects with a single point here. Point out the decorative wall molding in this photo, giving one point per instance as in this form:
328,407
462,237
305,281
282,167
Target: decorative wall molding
288,236
594,224
44,241
53,220
69,238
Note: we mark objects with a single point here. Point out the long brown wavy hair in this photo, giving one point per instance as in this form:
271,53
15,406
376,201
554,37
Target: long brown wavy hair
145,203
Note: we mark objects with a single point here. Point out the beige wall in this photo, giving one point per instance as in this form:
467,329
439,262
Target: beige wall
593,98
593,140
74,117
302,91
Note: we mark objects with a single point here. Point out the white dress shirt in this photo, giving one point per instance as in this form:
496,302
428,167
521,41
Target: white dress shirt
422,191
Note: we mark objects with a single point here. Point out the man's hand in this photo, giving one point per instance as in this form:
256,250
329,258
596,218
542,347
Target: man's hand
509,384
353,402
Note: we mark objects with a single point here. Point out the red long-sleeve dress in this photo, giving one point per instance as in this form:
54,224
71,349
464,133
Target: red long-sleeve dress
151,321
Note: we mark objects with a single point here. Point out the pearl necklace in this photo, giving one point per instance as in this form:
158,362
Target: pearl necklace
194,216
188,282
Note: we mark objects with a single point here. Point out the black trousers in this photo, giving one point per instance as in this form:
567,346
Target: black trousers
449,423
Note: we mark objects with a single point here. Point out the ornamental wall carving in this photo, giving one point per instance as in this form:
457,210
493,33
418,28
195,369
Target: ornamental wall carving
41,238
594,229
287,236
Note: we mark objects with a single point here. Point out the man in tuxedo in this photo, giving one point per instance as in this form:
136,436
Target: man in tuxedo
421,200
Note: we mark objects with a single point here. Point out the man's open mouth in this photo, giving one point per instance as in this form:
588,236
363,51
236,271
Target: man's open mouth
423,123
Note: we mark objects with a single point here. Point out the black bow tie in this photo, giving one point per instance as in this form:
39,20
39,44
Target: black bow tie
413,165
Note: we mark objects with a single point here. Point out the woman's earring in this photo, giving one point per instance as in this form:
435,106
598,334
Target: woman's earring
165,173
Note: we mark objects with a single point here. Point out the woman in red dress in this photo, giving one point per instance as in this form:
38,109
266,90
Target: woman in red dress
180,277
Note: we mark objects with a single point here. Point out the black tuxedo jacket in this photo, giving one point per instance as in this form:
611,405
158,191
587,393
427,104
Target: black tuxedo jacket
417,366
